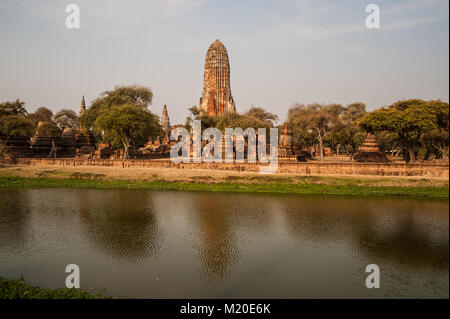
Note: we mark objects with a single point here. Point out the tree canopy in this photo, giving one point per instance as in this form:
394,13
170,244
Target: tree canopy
318,119
411,121
126,125
66,119
13,108
48,129
13,126
137,95
42,114
261,115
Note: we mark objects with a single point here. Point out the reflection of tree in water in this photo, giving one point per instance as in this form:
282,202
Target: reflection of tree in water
315,219
120,223
397,230
217,250
408,241
15,213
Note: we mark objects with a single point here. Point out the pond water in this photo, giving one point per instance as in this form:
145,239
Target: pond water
149,244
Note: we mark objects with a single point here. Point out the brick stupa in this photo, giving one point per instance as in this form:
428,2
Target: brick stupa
369,151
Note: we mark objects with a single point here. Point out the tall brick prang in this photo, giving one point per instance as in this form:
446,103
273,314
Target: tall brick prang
83,106
216,98
165,122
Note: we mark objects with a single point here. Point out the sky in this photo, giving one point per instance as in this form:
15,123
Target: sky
281,51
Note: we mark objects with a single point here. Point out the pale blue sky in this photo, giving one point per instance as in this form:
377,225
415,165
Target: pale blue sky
281,51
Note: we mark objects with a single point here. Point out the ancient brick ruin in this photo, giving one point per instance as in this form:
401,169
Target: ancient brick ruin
370,151
16,146
165,123
286,145
216,97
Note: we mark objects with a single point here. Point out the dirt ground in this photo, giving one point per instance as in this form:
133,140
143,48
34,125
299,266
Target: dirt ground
203,175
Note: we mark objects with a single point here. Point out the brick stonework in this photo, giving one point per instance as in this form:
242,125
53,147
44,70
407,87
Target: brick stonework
216,97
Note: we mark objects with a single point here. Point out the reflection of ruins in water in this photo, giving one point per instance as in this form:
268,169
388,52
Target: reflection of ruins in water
217,249
220,222
400,231
120,224
221,245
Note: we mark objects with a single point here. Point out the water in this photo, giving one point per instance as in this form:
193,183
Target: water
147,244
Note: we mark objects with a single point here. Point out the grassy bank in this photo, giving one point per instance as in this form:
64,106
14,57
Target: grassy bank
18,289
311,185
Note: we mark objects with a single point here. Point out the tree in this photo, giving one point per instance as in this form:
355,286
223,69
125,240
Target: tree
437,140
337,139
235,120
229,120
261,115
349,118
48,129
318,118
12,108
42,114
126,125
388,142
66,119
409,119
196,114
140,96
13,126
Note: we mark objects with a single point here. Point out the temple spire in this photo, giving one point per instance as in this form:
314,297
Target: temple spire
165,122
83,106
216,97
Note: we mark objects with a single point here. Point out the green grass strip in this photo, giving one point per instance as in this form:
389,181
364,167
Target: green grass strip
342,187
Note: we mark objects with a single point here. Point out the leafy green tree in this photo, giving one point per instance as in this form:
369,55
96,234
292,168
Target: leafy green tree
124,125
66,119
261,115
409,119
349,118
388,142
196,114
318,119
140,96
304,138
42,114
336,139
235,120
12,108
437,140
48,129
13,126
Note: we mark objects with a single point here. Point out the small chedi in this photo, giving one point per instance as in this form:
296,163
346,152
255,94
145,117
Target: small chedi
286,145
165,123
369,151
84,139
216,97
159,147
287,149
